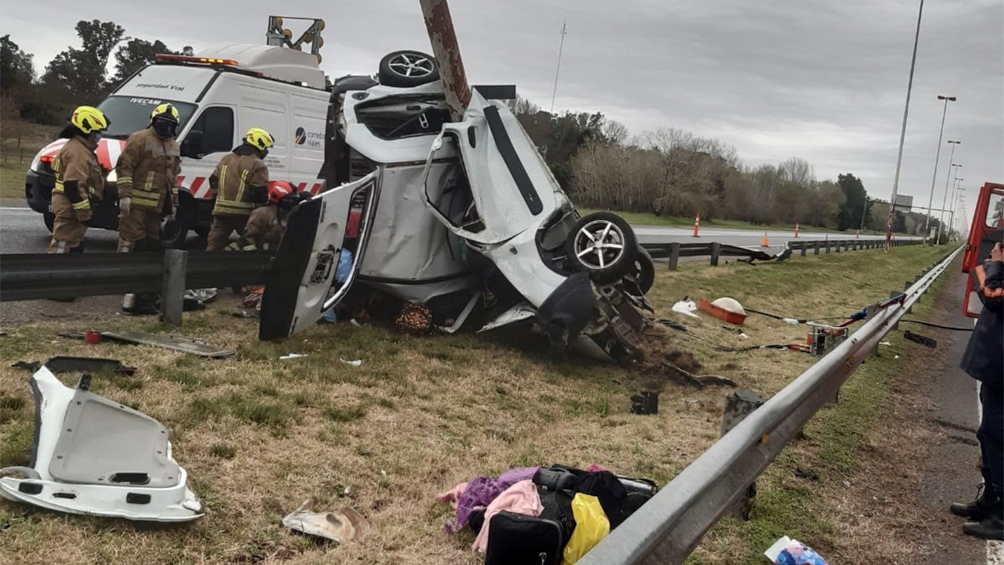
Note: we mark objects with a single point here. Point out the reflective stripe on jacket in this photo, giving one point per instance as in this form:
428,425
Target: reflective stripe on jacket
78,175
148,170
236,178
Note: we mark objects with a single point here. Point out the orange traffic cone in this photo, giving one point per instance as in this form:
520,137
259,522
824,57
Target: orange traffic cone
796,229
764,242
697,224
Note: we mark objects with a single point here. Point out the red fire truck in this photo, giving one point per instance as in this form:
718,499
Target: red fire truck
986,230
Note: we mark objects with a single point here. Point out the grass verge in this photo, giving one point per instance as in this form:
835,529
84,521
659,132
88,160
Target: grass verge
259,435
794,493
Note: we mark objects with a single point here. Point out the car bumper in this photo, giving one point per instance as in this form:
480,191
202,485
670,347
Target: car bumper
38,190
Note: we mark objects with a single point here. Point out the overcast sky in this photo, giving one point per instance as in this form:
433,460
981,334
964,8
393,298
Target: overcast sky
821,80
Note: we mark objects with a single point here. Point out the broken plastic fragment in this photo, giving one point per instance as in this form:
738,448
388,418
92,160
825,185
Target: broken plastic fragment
686,307
356,363
292,356
341,526
787,551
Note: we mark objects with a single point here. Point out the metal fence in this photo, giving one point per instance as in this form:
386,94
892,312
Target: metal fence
674,251
670,525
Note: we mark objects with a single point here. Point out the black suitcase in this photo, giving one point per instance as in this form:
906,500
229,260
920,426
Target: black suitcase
517,539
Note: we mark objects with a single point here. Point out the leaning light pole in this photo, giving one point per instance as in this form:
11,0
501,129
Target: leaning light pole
446,49
902,135
944,198
934,178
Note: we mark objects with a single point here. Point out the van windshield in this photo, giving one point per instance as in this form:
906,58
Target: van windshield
129,114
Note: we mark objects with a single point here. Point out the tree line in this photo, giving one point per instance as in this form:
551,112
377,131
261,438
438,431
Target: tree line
665,171
74,76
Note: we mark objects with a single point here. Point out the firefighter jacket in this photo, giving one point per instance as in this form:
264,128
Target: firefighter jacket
239,181
984,356
78,175
148,170
264,230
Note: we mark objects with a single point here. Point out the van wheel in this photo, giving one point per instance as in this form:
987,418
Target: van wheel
50,220
405,69
604,245
173,233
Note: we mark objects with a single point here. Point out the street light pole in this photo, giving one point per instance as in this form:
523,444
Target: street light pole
955,185
958,199
934,178
944,199
902,134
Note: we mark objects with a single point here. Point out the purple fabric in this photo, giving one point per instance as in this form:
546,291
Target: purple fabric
482,491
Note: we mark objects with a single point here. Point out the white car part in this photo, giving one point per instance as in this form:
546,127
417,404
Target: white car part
97,457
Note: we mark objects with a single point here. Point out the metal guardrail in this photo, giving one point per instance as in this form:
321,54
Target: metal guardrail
669,526
673,251
40,275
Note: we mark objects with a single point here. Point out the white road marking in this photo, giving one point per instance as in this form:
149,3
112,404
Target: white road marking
16,209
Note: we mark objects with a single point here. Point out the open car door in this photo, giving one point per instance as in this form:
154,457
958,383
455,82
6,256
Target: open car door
987,229
323,233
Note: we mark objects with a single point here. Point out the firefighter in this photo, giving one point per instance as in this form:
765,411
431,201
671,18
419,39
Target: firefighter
147,173
266,224
79,179
239,182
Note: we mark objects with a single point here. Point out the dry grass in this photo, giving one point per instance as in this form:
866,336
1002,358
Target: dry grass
259,435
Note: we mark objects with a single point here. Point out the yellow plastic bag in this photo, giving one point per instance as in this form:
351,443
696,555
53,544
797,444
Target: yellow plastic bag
591,526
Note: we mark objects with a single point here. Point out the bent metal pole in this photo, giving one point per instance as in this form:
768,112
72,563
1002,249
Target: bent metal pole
447,52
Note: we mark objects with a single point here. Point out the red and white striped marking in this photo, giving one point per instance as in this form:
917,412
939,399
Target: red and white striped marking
109,151
199,186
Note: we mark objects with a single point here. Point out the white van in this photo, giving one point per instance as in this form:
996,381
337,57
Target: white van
220,93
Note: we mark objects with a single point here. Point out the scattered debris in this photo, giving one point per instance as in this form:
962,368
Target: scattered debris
728,309
917,338
176,343
96,457
92,338
686,307
885,343
645,403
340,527
671,324
356,363
806,474
78,365
699,381
292,356
787,551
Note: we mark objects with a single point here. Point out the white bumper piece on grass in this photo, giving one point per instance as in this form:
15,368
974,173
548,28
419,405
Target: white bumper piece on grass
97,457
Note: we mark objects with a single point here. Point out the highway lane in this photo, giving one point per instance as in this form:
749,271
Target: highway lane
22,231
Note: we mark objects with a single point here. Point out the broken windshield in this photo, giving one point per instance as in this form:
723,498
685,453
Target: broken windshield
129,114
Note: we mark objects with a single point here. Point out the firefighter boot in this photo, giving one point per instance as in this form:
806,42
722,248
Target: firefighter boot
990,528
987,502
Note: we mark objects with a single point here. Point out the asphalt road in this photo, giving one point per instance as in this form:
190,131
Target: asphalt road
22,231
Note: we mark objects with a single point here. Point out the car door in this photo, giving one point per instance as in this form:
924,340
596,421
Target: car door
304,283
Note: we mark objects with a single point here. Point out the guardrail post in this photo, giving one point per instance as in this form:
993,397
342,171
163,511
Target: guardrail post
716,249
738,405
827,247
815,251
172,297
674,256
802,246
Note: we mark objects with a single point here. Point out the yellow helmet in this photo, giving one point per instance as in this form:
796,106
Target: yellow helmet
88,119
259,139
166,112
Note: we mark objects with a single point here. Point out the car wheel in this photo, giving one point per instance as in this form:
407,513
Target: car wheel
643,270
50,220
405,69
604,245
174,232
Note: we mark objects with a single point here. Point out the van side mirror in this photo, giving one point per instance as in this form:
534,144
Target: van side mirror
192,145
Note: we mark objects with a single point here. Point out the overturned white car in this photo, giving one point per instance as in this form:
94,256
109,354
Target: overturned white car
444,213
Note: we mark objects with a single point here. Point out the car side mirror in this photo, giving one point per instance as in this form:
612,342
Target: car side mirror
192,145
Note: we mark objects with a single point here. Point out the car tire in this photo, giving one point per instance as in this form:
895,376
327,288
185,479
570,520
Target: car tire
617,251
174,232
643,271
50,220
405,69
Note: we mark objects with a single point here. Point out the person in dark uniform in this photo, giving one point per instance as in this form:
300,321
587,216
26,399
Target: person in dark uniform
984,361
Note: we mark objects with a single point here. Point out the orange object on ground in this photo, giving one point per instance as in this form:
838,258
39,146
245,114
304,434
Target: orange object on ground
764,242
697,224
796,229
719,312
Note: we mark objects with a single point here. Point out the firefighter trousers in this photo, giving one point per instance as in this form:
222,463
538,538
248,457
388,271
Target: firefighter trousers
223,226
68,226
137,225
